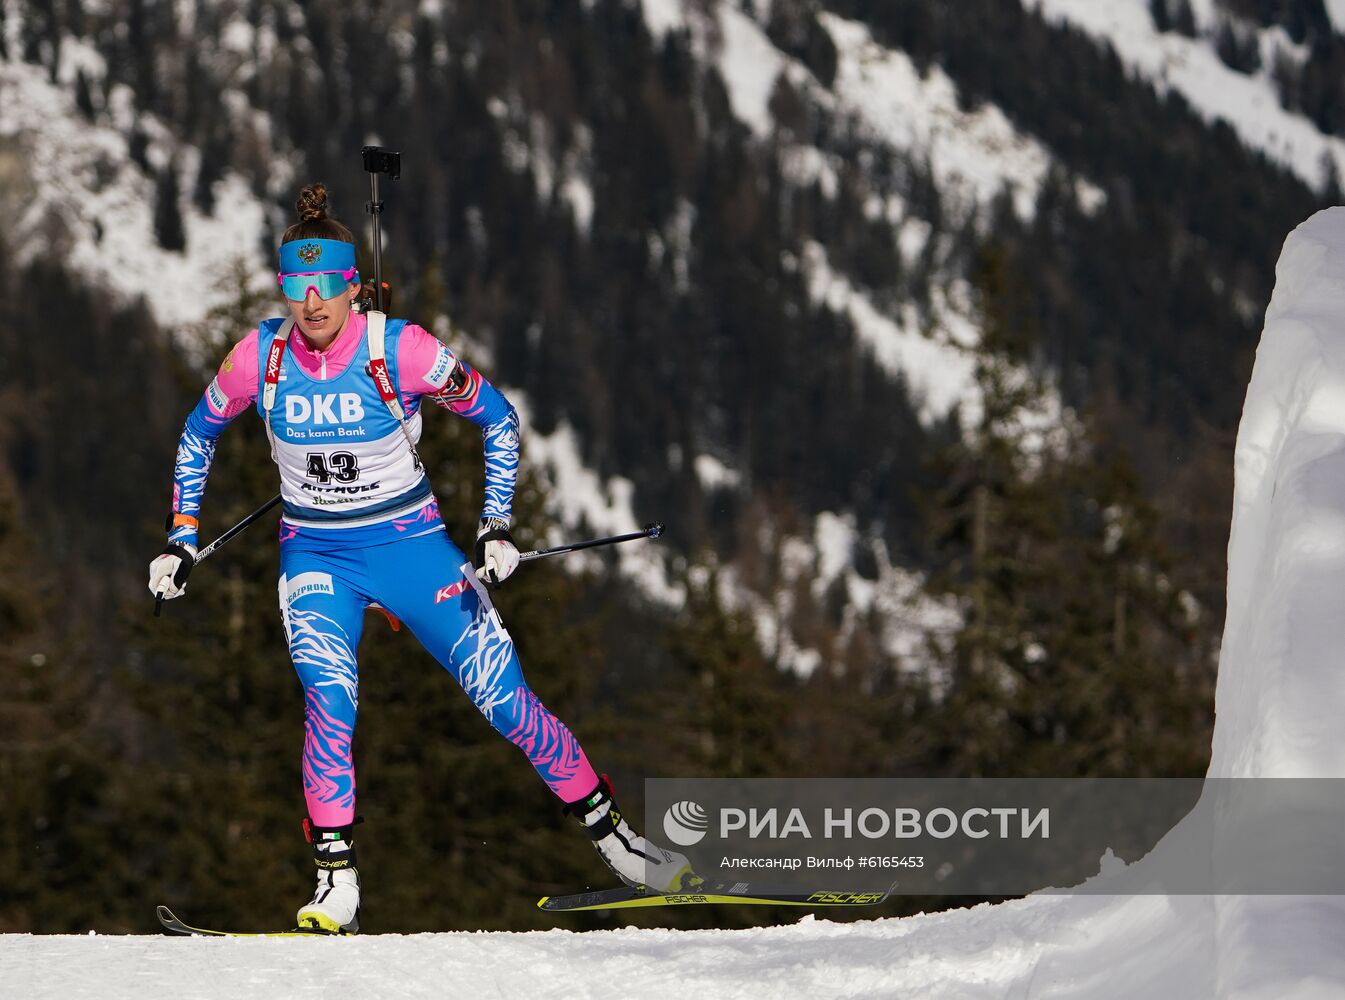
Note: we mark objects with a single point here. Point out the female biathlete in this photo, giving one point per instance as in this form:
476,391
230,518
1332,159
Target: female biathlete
339,393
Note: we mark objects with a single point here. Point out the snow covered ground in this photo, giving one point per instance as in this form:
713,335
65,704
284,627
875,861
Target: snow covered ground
1279,697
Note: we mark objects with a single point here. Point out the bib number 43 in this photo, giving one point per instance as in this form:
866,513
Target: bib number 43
341,466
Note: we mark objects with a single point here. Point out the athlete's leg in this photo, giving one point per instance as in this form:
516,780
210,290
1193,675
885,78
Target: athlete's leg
425,582
324,616
422,581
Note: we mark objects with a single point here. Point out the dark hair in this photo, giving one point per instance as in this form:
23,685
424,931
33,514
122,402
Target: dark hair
314,222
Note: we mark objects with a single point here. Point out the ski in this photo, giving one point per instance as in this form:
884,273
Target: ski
735,893
172,925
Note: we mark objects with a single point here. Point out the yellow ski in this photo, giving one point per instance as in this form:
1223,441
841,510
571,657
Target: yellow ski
173,925
721,893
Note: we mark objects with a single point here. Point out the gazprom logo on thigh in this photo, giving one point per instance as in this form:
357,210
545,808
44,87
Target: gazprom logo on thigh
305,584
685,823
324,408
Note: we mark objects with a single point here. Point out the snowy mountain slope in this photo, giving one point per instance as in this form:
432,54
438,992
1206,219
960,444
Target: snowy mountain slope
1279,696
822,559
1191,67
73,191
974,155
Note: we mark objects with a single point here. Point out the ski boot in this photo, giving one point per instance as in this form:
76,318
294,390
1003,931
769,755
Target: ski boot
335,907
632,858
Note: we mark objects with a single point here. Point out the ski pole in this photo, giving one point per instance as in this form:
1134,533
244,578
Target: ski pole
649,531
205,552
209,549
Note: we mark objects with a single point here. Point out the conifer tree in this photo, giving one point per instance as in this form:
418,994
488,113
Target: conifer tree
1184,18
1076,655
168,229
83,96
68,731
1158,10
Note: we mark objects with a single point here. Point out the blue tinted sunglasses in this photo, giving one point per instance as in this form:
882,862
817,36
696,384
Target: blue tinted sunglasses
328,284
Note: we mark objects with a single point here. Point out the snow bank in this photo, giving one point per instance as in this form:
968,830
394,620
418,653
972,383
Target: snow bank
1281,687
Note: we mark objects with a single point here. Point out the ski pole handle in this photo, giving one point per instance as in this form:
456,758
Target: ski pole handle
649,531
205,552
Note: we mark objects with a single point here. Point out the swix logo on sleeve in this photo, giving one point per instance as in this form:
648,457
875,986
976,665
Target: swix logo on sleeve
325,408
449,592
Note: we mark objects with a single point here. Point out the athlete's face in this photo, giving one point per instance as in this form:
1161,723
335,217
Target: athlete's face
322,319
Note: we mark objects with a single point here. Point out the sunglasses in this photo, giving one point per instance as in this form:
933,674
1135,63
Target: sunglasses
328,284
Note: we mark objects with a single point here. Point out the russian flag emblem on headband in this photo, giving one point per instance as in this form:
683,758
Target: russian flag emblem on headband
298,256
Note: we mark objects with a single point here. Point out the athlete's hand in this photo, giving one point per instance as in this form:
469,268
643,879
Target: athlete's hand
169,571
496,554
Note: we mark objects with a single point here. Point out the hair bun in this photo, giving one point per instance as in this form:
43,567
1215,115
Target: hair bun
312,203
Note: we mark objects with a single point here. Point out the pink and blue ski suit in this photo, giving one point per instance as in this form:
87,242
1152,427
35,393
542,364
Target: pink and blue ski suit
361,527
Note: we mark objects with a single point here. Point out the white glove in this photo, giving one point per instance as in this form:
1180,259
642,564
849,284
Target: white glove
496,554
169,571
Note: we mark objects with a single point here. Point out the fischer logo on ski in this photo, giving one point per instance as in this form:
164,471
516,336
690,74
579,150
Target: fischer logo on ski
709,893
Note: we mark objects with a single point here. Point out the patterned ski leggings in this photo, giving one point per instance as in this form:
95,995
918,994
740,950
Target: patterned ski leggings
423,581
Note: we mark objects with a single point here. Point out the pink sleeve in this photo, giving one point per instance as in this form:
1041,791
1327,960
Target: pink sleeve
424,365
234,388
